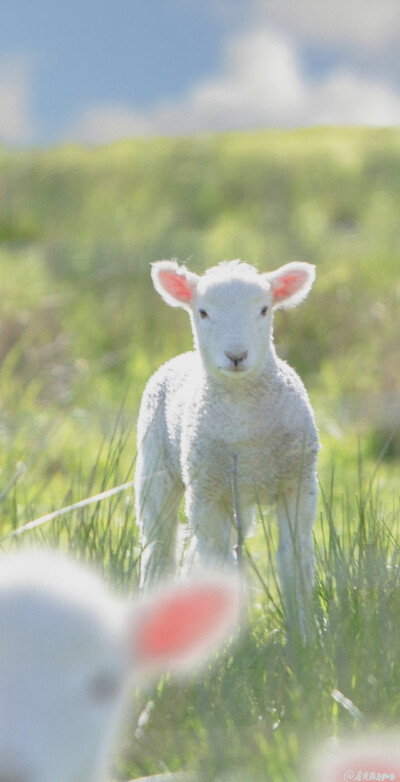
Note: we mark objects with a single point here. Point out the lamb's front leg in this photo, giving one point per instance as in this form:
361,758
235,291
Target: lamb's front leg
215,531
213,528
296,509
158,497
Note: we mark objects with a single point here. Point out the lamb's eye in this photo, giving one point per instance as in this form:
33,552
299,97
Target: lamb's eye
264,310
203,314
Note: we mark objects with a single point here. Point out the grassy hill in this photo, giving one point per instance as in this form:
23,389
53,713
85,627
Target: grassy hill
81,330
80,322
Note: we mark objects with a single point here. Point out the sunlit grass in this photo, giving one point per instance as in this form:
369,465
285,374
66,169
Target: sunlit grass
262,703
264,706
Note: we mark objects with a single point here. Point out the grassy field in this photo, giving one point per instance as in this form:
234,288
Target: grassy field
81,330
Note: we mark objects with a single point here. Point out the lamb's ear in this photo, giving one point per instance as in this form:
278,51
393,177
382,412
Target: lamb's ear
177,626
174,283
291,283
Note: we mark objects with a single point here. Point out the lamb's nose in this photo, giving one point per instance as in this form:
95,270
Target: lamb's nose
236,358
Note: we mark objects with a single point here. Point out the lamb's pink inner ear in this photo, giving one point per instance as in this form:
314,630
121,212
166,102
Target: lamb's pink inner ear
288,284
181,622
177,286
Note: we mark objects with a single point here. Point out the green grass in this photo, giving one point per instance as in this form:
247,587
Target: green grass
81,330
262,705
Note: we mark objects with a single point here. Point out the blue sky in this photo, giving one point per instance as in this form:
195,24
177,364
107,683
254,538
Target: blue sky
93,71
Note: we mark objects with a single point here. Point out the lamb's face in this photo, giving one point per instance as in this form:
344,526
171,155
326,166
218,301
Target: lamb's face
232,323
62,671
231,310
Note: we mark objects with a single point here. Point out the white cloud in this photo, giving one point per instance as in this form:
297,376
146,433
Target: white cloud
348,99
261,84
16,122
368,24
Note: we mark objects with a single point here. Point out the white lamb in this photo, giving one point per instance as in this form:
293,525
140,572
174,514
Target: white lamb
231,395
69,649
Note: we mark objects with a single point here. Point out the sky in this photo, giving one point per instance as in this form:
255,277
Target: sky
94,71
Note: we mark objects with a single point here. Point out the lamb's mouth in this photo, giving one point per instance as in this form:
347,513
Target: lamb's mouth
234,370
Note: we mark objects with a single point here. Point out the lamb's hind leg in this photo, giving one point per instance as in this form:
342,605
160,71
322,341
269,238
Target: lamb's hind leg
158,497
296,508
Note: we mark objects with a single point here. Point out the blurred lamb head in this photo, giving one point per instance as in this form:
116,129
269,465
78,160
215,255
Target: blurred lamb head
69,649
231,309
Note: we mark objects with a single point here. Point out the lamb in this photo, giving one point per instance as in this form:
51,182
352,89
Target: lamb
68,650
230,395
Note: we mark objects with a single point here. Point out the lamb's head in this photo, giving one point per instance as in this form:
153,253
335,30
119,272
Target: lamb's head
68,650
61,670
231,308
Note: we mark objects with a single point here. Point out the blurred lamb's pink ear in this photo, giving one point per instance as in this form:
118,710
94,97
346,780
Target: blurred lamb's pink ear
176,627
174,283
291,283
